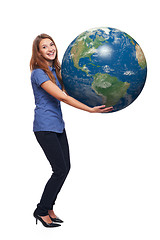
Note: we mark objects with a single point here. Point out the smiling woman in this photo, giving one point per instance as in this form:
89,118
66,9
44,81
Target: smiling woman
48,126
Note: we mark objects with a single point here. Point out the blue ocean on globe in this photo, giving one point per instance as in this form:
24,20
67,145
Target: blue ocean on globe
104,66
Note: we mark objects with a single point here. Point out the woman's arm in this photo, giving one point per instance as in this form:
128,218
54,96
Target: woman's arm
56,92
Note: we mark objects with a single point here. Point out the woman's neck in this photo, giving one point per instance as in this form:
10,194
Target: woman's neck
49,63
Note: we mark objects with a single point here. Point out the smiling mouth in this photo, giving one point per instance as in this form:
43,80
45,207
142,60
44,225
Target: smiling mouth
50,54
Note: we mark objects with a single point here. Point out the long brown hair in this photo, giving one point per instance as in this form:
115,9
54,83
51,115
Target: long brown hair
37,61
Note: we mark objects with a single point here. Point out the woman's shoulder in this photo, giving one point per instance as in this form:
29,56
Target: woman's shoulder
37,71
39,76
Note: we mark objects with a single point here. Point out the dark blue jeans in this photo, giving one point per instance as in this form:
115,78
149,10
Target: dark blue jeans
55,147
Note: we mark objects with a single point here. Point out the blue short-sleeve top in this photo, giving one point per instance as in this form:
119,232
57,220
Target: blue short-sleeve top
47,113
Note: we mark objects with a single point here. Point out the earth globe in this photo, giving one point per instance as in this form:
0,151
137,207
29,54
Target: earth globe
104,66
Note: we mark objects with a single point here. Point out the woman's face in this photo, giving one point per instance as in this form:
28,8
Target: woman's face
47,50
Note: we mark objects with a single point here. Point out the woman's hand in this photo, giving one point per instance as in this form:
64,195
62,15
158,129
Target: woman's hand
101,109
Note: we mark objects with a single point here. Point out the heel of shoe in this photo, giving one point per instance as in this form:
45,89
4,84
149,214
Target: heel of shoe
36,220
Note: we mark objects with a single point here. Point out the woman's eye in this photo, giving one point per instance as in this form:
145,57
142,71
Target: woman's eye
52,44
44,46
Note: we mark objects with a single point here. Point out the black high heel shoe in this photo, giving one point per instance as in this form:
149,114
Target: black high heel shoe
45,224
57,220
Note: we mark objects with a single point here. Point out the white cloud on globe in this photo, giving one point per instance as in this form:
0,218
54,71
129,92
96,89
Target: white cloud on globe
105,51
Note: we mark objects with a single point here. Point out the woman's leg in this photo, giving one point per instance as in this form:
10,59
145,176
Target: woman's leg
65,149
52,147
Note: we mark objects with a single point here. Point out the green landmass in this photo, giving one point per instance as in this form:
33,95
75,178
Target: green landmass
109,88
139,53
84,47
140,57
92,64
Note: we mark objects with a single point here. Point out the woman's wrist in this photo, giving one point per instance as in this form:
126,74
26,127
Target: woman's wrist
91,110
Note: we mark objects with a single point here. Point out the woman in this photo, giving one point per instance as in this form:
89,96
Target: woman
48,125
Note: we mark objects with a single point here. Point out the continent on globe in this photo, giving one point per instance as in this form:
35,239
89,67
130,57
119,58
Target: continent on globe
85,49
110,88
104,66
140,56
139,53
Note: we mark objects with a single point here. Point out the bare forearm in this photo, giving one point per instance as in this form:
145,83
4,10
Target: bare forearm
75,103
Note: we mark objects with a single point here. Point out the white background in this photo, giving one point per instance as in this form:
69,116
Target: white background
112,191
